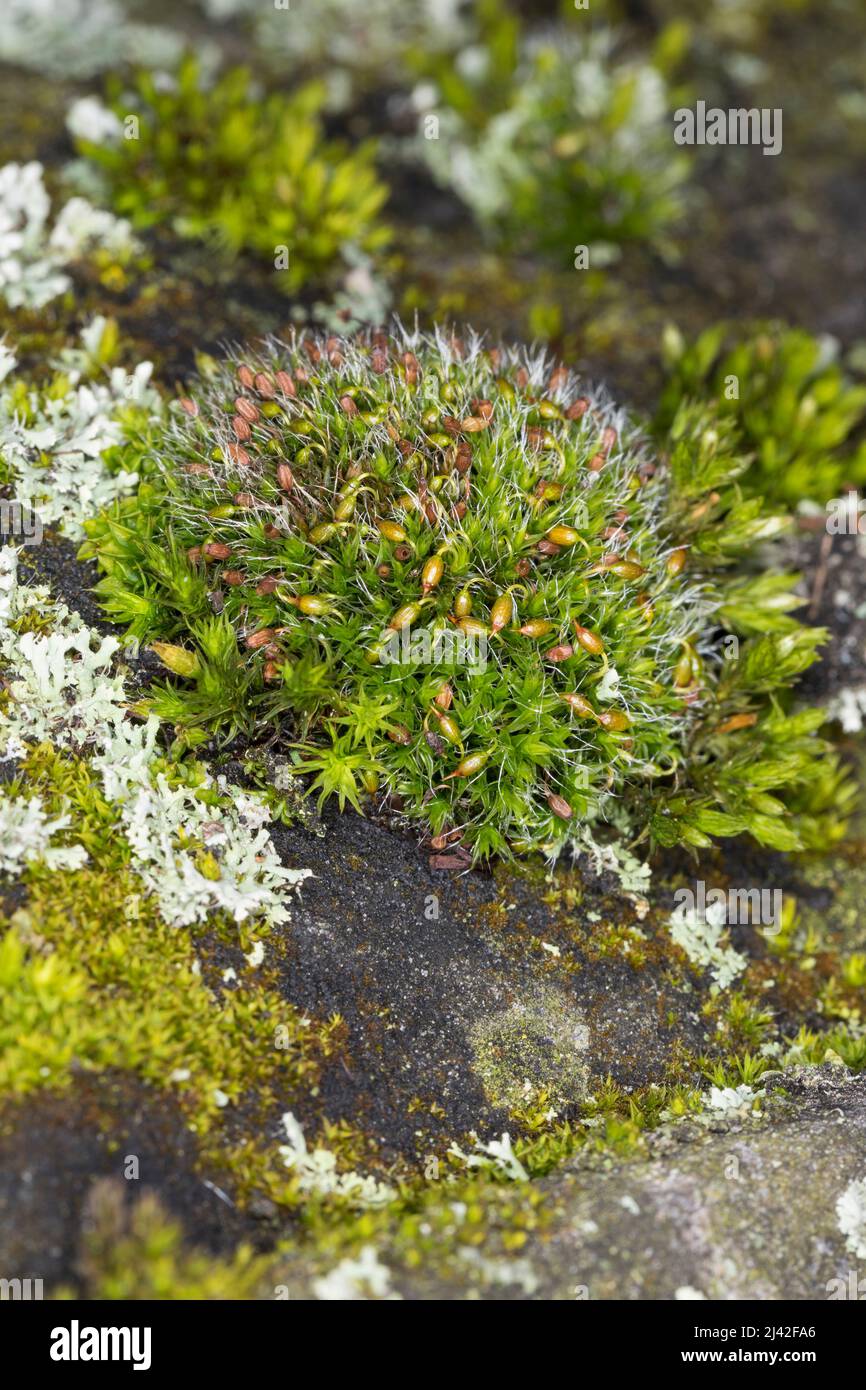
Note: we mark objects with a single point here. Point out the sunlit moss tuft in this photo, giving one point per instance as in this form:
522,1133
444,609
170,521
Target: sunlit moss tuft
249,174
459,576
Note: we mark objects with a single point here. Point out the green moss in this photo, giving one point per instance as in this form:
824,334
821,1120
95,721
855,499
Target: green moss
247,174
138,1252
121,988
784,395
559,140
93,978
65,782
360,496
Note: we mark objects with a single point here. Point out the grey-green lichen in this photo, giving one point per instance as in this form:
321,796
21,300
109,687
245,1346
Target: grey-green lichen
537,1044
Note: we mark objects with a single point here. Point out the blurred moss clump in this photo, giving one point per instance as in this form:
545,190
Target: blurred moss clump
558,140
789,399
741,22
354,47
250,175
137,1251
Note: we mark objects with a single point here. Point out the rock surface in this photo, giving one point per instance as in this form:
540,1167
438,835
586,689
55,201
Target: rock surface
744,1208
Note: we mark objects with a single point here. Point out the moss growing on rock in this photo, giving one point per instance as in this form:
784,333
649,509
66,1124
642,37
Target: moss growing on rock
249,175
558,140
787,398
138,1253
461,577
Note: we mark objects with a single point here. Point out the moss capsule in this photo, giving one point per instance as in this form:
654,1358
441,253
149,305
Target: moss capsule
563,535
432,572
502,612
345,508
447,726
627,569
469,766
736,721
590,641
405,616
614,720
463,604
473,627
579,705
313,605
683,673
